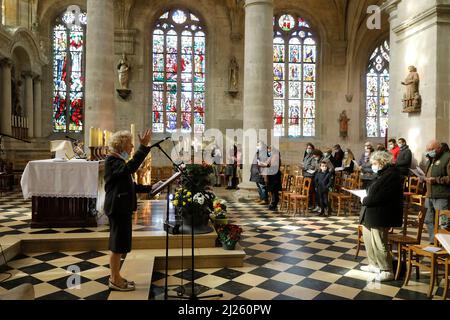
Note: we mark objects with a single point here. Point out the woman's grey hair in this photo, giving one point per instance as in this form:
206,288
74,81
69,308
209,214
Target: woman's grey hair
382,157
119,140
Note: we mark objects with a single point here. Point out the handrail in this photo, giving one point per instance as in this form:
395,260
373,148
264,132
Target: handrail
15,138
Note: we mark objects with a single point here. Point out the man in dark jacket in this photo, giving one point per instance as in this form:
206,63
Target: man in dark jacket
438,183
271,169
404,158
382,209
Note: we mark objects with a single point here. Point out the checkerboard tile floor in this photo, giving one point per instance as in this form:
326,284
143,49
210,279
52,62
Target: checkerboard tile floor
308,258
15,217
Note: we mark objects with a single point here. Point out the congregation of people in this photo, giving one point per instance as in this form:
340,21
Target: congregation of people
382,172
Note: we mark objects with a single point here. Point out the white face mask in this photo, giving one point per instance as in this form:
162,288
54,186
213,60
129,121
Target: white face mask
375,169
326,155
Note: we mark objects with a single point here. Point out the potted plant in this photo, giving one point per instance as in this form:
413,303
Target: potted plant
229,235
219,214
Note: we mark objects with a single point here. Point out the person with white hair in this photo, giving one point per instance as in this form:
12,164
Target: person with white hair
382,209
121,200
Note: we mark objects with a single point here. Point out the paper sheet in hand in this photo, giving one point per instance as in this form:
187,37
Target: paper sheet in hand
418,172
311,171
359,193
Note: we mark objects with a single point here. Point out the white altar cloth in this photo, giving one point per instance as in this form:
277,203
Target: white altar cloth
70,179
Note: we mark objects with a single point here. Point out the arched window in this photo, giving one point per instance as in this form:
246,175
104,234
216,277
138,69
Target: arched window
294,69
179,73
69,35
377,92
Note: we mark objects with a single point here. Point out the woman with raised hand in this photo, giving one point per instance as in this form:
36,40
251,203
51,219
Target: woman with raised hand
121,200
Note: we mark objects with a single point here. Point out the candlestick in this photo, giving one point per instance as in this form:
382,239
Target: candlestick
91,137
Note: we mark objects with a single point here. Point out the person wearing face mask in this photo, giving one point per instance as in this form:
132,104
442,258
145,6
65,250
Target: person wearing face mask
404,158
366,167
349,162
271,169
328,155
438,183
394,149
256,174
338,156
309,170
382,209
120,199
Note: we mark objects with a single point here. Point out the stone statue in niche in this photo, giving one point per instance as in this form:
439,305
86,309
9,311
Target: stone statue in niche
234,77
412,101
124,69
343,124
124,72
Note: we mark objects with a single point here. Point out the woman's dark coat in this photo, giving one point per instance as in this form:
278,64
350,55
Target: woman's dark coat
383,206
120,188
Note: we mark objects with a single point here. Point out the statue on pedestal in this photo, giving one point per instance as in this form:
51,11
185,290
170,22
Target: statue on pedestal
343,124
412,101
233,87
124,77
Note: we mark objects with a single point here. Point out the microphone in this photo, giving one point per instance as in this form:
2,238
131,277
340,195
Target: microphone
159,142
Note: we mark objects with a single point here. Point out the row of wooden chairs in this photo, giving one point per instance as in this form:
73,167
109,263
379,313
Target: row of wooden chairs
295,195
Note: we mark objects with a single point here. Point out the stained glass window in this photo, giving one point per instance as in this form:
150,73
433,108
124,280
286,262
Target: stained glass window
294,75
179,73
69,35
377,92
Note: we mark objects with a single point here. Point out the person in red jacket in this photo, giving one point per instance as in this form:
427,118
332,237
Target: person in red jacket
394,149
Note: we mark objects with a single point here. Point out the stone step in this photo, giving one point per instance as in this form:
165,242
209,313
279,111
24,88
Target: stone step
140,264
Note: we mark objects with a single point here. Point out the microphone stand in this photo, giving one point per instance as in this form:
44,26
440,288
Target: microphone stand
193,296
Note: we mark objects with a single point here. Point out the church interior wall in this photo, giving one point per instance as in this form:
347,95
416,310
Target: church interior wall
344,45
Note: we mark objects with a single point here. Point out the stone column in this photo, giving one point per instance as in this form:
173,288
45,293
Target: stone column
258,78
37,90
100,98
419,37
6,98
28,101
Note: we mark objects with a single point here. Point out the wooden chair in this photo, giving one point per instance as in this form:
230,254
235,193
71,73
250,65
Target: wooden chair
301,201
286,195
359,241
415,252
447,278
401,241
343,198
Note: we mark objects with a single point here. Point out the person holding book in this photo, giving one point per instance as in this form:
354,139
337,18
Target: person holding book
438,183
382,209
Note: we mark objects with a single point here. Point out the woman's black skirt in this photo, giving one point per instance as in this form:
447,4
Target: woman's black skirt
120,233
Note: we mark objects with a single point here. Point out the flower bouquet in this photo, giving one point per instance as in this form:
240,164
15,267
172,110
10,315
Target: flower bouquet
229,235
219,214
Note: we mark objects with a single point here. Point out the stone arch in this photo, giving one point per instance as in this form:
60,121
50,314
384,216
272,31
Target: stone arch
24,43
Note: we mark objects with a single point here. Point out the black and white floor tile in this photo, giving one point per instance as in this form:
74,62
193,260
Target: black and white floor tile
307,258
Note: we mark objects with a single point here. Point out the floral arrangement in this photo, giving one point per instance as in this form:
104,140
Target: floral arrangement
184,199
229,235
220,209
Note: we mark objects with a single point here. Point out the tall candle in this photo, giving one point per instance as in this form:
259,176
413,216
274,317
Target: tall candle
91,137
133,133
100,137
